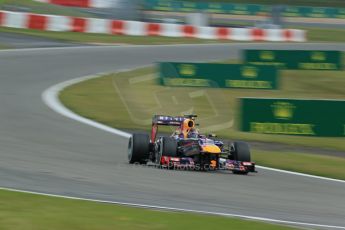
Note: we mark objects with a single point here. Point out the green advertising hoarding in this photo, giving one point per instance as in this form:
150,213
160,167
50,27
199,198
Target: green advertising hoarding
311,12
218,75
209,7
293,116
242,9
295,59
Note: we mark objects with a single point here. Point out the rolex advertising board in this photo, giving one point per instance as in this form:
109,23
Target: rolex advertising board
293,116
218,75
241,9
295,59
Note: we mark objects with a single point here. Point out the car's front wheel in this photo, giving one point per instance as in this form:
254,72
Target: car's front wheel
241,151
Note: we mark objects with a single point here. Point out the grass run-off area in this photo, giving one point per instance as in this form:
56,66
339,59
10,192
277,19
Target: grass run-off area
313,35
319,165
27,211
106,38
128,100
40,8
2,46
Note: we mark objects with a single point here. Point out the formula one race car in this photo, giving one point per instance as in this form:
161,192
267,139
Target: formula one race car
186,148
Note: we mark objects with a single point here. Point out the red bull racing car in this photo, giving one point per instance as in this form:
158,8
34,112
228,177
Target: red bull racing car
186,148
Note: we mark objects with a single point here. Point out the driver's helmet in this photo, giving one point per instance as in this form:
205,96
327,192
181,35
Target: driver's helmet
193,133
188,124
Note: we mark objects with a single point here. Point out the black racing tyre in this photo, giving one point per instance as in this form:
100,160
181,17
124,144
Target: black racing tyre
138,148
168,147
241,151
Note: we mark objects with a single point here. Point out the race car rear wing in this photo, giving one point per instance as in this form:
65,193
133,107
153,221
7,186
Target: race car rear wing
164,120
168,120
158,120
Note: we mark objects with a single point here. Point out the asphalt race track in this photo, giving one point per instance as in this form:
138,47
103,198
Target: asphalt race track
43,151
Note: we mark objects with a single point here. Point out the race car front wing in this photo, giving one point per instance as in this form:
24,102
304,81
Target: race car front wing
187,163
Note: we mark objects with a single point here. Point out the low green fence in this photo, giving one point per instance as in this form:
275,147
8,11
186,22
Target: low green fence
314,12
242,9
295,59
218,75
220,8
293,116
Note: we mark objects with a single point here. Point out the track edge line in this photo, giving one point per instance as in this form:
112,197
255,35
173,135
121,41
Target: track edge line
253,218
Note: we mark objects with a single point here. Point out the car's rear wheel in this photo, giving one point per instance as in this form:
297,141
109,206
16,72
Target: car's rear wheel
138,148
168,147
241,151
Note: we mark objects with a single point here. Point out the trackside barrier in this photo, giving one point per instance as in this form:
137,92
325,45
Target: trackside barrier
80,3
94,25
295,59
212,7
241,9
307,117
218,75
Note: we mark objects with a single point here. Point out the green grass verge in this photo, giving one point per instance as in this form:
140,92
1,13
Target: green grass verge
106,38
325,35
40,8
112,100
3,46
319,165
27,211
313,35
128,100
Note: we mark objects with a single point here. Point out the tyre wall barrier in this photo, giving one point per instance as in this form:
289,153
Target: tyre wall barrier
137,28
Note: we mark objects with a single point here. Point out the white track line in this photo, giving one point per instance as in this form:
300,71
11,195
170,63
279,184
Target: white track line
182,210
301,174
51,99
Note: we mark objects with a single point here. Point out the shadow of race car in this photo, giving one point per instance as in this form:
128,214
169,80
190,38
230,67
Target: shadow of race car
186,148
